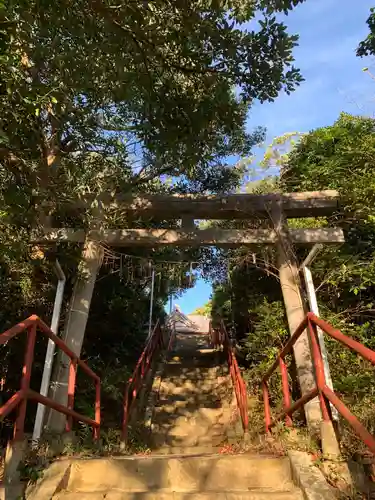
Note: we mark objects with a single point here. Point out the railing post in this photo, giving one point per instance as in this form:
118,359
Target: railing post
125,418
319,369
96,431
267,409
71,392
286,392
246,411
330,445
25,381
244,408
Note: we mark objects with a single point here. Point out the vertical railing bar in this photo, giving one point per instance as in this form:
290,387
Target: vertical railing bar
25,381
319,369
96,430
125,413
267,408
239,385
71,392
285,390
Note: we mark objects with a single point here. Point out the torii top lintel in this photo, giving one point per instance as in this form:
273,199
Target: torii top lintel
232,206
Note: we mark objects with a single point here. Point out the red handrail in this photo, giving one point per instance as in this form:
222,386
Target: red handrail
311,322
141,370
19,400
221,337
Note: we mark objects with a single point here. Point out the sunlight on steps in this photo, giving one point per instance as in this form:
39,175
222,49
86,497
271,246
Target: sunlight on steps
235,477
195,404
195,410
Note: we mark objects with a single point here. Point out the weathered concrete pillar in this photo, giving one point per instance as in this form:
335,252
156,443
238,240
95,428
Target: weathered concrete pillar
74,331
295,312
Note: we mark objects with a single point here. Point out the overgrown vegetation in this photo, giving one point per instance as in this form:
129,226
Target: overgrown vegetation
342,157
123,97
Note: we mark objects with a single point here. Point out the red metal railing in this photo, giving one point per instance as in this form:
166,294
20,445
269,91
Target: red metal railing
18,401
325,394
220,337
135,383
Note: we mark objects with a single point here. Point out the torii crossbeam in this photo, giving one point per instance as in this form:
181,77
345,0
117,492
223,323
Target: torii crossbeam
231,206
185,207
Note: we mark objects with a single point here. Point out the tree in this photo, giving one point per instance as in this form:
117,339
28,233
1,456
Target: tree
205,310
324,158
341,157
144,89
367,46
110,96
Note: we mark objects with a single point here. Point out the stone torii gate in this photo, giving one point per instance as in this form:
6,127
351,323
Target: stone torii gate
275,207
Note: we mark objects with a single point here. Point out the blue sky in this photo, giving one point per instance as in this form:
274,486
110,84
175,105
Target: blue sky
329,31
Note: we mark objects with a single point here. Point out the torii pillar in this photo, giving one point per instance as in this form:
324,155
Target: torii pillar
74,332
295,312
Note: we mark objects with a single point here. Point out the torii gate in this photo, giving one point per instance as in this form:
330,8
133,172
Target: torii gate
276,207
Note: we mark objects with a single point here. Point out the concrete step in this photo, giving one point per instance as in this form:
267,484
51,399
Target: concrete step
192,378
207,362
228,473
164,439
184,429
185,451
294,494
179,372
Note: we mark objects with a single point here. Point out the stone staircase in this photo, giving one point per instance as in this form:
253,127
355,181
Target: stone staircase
190,422
168,478
195,406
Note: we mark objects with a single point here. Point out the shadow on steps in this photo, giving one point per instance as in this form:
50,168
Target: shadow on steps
195,396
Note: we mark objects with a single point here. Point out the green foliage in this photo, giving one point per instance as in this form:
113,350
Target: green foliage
268,334
239,293
341,157
221,304
367,46
31,469
145,89
205,310
277,152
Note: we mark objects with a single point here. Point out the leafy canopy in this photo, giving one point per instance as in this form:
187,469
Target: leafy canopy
148,88
204,310
340,156
367,46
